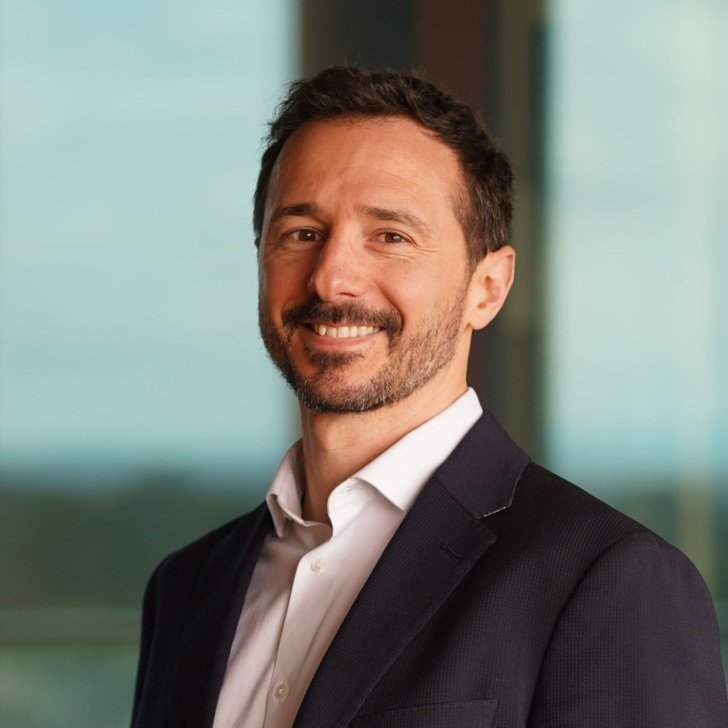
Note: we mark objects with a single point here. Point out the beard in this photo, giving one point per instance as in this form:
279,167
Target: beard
412,360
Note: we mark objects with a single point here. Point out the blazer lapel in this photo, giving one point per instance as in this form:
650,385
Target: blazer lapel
211,622
439,541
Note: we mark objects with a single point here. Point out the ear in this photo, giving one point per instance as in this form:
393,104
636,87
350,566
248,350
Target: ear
489,286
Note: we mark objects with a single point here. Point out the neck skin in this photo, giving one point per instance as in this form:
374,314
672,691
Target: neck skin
337,446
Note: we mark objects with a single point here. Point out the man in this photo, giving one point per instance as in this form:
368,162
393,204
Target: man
411,566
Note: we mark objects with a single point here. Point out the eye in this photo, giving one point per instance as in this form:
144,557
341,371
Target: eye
304,235
389,236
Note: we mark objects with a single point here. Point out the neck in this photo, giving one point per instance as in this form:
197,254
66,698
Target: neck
337,446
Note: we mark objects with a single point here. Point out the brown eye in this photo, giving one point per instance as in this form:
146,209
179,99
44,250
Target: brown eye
392,237
305,236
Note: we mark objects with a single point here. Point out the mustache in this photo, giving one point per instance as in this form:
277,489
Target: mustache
353,313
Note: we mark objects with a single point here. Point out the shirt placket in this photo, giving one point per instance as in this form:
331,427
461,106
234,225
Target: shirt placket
305,612
309,602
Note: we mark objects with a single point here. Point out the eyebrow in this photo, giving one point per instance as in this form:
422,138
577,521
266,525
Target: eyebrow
395,215
302,209
309,209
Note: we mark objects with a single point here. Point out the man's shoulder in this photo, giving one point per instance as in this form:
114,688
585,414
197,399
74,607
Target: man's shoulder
547,500
489,473
568,524
561,501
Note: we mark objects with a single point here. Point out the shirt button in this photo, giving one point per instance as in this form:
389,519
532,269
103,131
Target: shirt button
318,565
281,691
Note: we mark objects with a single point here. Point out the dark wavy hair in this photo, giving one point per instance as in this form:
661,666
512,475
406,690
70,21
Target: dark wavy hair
486,209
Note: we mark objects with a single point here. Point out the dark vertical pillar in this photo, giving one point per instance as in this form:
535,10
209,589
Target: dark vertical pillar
451,47
365,33
511,350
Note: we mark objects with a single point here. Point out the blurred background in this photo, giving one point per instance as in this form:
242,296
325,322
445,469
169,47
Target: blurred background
137,407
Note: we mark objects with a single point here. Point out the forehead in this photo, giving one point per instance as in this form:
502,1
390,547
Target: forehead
379,157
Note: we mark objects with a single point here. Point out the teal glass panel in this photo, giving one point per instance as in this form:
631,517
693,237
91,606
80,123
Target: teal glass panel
137,406
637,342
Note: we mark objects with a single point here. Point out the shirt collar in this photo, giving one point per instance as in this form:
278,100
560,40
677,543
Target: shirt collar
284,495
399,473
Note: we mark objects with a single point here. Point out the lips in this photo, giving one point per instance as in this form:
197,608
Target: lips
342,321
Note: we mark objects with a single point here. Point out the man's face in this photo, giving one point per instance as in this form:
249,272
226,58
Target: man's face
363,265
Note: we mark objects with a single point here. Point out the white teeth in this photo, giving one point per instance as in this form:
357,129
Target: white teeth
344,332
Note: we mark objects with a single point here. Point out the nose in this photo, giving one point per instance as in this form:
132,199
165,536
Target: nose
339,270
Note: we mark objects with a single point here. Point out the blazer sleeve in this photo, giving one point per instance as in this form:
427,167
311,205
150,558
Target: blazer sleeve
635,645
163,614
149,610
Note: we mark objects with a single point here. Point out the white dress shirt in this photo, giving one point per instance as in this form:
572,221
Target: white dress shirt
309,574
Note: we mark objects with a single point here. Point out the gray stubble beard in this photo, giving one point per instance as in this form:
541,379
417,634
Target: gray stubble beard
412,362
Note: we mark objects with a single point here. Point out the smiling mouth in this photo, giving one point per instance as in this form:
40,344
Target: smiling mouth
343,332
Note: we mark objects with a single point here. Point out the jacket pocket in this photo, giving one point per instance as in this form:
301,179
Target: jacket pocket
465,714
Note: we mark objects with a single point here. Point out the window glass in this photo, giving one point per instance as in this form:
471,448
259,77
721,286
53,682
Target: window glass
637,393
138,408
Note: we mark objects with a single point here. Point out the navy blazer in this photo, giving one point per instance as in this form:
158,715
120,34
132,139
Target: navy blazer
507,598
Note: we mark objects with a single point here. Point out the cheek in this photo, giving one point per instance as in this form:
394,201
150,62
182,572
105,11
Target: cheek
279,288
268,295
416,293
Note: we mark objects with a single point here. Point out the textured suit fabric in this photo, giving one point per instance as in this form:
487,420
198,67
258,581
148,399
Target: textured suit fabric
508,597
